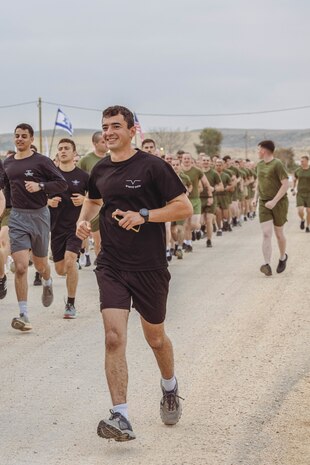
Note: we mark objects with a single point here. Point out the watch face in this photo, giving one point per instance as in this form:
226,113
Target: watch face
144,212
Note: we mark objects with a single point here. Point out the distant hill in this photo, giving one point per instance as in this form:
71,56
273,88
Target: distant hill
239,142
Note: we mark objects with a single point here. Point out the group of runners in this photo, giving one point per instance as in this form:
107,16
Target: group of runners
129,201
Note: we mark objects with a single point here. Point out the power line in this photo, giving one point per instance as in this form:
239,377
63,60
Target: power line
169,115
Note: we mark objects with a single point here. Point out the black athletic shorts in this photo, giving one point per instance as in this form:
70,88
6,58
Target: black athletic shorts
62,242
148,291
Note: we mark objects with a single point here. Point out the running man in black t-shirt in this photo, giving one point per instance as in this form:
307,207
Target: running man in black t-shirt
140,193
65,209
30,177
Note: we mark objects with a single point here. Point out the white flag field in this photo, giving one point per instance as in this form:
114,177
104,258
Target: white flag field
63,122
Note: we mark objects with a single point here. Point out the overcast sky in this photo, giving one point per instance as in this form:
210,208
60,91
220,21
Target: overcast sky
157,57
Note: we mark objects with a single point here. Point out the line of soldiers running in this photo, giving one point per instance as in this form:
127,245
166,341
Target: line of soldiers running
221,191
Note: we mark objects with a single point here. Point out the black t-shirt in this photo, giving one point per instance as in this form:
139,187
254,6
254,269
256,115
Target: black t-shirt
143,181
37,168
65,216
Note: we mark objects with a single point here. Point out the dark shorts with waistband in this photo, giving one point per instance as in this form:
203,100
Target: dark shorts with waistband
147,290
29,229
64,241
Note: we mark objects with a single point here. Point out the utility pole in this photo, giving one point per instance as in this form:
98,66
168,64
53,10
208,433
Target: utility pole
40,124
246,143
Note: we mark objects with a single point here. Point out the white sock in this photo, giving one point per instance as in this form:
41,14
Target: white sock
169,384
122,409
87,254
23,310
283,257
47,282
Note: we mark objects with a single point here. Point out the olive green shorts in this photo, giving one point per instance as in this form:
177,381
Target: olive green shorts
278,214
94,224
205,208
222,201
303,200
4,218
196,203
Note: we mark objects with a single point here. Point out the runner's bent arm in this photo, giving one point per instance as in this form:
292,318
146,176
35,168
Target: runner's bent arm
176,209
2,202
281,192
90,209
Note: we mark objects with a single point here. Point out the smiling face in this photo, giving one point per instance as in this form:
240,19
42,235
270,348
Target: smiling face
23,140
116,134
187,160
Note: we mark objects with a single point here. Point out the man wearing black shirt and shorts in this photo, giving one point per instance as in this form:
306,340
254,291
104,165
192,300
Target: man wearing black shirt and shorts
30,177
65,209
140,193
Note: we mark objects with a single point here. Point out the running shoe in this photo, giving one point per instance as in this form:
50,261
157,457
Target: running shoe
168,255
302,224
179,254
170,406
219,232
266,269
307,229
188,248
88,262
282,264
82,260
47,295
70,312
3,287
21,323
193,236
37,279
198,235
117,427
209,243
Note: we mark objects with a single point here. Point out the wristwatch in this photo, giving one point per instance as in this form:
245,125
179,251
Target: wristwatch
145,214
42,186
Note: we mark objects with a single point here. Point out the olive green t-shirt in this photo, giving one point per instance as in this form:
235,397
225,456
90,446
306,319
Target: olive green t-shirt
303,176
185,179
195,174
269,177
87,162
213,178
226,180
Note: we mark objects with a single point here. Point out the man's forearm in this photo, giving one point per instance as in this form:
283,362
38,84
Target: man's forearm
89,210
178,209
2,203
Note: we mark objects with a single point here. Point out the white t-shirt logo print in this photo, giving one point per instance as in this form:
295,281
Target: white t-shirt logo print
29,173
133,183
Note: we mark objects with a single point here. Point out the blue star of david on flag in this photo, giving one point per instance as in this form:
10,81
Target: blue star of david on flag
63,122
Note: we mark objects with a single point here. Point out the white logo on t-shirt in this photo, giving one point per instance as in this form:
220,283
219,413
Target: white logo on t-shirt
75,182
29,173
133,184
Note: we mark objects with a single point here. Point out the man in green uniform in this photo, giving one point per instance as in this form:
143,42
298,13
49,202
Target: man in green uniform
87,163
302,181
177,227
208,211
193,223
273,203
222,198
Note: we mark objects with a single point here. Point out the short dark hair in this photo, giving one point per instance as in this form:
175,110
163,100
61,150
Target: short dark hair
25,127
96,136
267,144
119,110
148,141
227,157
67,141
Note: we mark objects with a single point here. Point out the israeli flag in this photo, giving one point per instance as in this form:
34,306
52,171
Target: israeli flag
63,122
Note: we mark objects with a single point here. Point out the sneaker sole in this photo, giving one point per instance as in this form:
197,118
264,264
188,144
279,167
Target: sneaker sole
107,431
16,324
69,317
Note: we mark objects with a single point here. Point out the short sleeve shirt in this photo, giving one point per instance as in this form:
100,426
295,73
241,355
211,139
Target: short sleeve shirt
195,174
87,162
269,177
213,178
142,181
303,176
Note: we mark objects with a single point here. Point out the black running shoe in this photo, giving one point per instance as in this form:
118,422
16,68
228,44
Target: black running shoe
282,264
198,235
307,229
88,262
3,287
189,248
117,427
170,406
193,236
37,279
209,243
302,224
